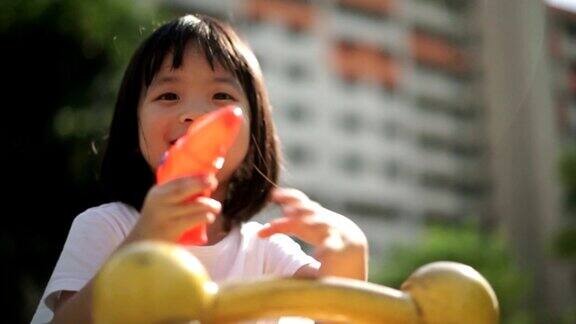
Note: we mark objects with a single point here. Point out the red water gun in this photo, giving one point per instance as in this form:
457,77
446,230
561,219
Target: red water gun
201,151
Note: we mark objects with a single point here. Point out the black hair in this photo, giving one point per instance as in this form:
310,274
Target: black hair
125,174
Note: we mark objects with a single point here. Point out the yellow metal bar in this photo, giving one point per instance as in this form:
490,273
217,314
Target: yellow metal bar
332,299
156,282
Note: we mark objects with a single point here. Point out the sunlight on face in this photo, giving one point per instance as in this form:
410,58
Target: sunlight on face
176,97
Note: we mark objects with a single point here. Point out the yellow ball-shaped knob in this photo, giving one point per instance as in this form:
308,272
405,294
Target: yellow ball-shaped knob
452,293
151,282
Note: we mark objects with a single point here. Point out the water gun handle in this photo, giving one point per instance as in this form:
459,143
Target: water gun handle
201,151
196,235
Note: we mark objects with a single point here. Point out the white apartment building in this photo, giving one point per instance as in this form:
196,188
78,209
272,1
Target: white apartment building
374,104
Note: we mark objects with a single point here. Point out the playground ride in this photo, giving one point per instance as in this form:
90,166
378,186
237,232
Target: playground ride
155,282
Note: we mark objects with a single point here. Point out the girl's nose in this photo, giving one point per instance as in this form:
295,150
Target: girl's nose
186,118
189,115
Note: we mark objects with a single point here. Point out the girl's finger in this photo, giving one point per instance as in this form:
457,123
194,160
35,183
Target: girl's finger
180,189
281,225
308,229
199,205
298,210
288,195
183,223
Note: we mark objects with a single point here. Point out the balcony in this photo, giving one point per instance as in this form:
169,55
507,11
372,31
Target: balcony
365,62
212,7
296,15
438,52
374,8
434,16
432,84
382,32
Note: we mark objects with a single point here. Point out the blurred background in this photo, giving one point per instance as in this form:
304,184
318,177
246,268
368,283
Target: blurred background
444,128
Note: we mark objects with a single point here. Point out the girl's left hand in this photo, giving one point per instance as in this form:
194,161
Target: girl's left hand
340,245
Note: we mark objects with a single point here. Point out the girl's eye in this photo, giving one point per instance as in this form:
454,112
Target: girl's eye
168,96
223,96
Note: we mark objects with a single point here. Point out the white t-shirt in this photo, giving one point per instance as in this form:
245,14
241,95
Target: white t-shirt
98,231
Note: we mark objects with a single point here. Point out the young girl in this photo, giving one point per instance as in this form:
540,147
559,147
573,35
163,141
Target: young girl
186,68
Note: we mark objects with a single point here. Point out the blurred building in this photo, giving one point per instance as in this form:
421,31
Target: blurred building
375,102
395,112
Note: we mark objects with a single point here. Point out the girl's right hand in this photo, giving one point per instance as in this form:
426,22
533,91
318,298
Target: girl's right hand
168,211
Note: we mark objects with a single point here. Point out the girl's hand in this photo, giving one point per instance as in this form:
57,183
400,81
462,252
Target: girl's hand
340,245
167,211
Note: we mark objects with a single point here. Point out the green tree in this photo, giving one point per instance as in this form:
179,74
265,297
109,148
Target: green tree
466,244
62,64
565,241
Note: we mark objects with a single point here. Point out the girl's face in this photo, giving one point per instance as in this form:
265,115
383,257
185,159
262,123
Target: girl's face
175,98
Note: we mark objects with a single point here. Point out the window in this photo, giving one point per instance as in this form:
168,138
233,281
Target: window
462,147
371,209
467,150
457,6
391,170
376,9
297,72
390,129
351,164
571,28
350,122
433,143
434,180
457,111
469,188
297,113
296,15
298,154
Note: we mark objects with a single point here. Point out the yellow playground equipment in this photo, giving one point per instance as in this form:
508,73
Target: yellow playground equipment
156,282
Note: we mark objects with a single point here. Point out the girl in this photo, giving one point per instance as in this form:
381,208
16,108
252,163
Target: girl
186,68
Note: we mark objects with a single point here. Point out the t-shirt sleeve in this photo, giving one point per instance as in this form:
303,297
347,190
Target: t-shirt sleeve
91,240
284,257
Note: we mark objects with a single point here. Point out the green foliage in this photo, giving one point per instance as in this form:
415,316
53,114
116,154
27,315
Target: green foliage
567,171
564,242
65,60
107,32
465,244
102,36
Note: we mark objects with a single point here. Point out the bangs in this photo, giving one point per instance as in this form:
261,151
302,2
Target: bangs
198,31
